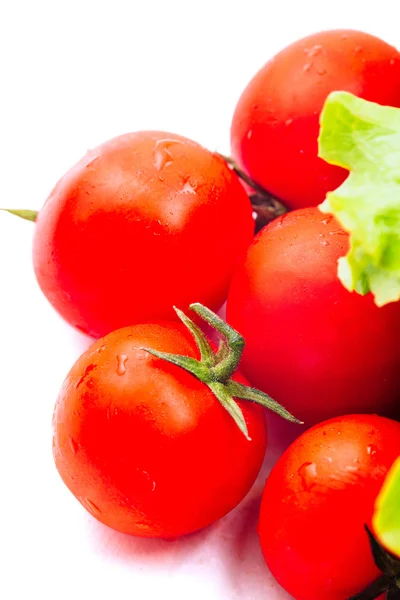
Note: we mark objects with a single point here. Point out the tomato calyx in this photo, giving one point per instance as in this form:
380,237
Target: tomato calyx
216,369
28,215
266,206
389,581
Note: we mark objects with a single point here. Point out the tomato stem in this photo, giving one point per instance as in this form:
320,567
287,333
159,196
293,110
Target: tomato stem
266,206
378,587
216,369
29,215
242,175
229,357
390,567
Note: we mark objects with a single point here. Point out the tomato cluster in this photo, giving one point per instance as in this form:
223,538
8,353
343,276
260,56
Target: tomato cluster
156,432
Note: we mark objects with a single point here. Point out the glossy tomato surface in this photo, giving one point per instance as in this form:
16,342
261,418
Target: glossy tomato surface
316,501
276,122
316,348
143,222
145,446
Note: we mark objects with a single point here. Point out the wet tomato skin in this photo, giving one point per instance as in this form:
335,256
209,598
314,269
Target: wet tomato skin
145,221
316,348
144,445
275,126
316,501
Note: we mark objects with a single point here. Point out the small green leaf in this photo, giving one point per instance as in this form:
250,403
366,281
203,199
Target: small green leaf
29,215
193,366
364,138
221,392
206,352
386,520
229,362
244,392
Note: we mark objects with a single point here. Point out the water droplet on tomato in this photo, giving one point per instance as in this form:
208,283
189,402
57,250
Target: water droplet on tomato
288,121
121,364
307,67
324,243
351,469
162,153
90,506
327,220
86,372
314,51
371,450
73,445
249,134
143,526
321,71
392,62
91,163
308,474
337,232
101,349
188,188
344,36
162,158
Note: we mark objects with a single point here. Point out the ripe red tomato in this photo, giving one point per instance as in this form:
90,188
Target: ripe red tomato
144,445
131,230
275,125
316,348
316,501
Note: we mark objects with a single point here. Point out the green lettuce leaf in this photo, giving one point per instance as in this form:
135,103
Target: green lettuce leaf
386,520
364,138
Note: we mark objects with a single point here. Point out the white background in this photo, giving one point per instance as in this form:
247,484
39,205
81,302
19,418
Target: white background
73,74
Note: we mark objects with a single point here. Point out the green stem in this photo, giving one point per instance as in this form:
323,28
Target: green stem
244,392
230,361
377,587
242,175
29,215
206,352
216,369
266,206
223,395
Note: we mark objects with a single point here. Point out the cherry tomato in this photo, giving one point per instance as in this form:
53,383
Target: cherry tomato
143,222
144,445
316,348
275,125
316,501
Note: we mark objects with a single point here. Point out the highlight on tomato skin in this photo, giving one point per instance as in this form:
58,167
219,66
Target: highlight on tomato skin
275,125
145,221
144,445
316,348
316,502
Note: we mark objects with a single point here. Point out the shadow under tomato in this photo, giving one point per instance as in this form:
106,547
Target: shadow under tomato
230,546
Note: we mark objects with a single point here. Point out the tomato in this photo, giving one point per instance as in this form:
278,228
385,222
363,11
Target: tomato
143,222
275,125
144,445
316,501
316,348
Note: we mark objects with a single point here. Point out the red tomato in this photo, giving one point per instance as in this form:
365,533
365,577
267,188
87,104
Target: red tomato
316,501
317,349
144,445
275,126
143,222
